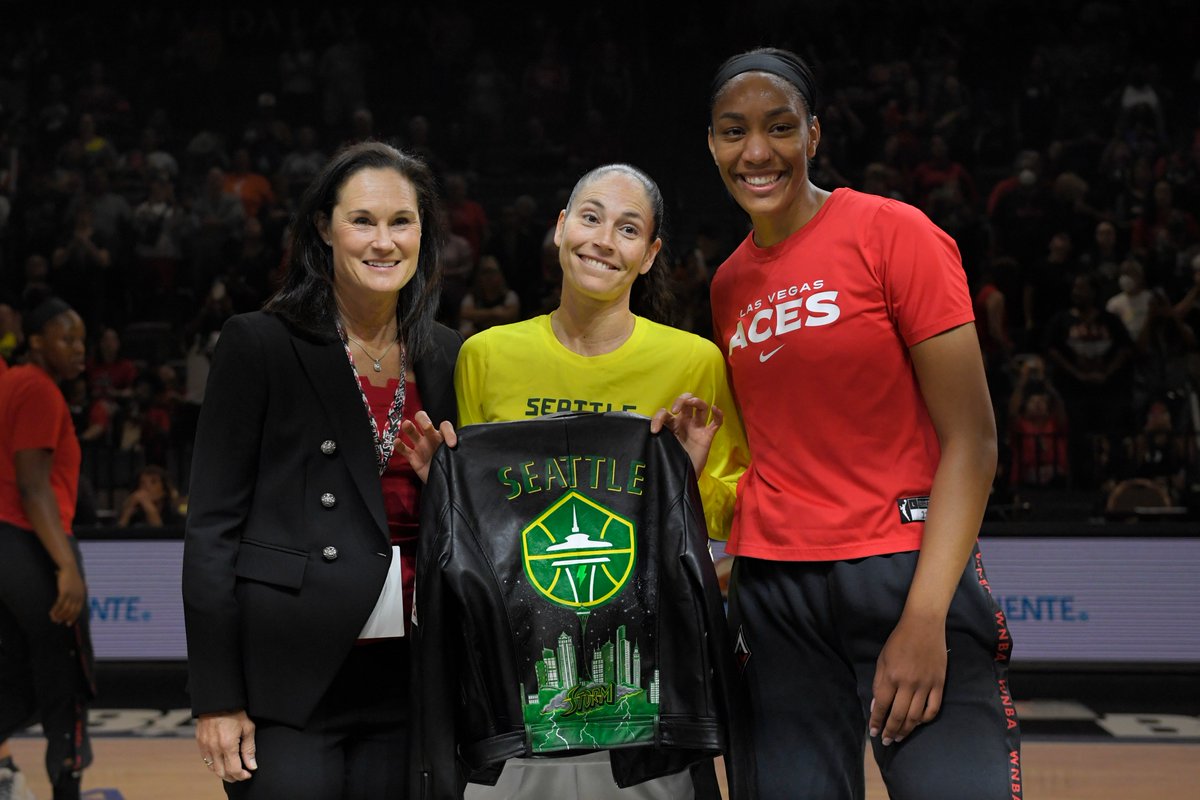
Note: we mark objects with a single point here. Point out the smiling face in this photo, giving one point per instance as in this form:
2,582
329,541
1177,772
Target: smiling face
605,238
374,231
761,138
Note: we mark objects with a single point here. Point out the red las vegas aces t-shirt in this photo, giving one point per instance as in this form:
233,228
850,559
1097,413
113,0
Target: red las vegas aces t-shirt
816,331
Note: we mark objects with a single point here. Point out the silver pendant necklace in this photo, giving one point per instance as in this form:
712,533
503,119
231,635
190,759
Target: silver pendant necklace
375,361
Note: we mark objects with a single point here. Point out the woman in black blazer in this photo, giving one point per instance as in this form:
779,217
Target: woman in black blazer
302,518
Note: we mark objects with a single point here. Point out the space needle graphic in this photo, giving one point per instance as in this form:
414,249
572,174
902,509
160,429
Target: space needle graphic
583,556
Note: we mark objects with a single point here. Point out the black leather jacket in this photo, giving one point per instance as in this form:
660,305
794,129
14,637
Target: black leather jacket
566,601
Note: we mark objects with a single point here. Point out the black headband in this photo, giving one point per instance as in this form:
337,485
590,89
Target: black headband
794,73
35,321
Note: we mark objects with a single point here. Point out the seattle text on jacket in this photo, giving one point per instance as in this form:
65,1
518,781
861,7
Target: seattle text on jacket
572,472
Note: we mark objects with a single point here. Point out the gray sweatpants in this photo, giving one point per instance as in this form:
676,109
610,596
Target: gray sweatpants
582,777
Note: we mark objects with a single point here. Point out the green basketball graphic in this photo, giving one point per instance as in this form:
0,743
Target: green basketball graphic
577,553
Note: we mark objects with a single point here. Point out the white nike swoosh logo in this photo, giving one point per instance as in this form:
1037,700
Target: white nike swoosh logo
762,357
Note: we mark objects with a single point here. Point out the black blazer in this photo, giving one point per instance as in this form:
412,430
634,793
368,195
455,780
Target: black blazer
287,546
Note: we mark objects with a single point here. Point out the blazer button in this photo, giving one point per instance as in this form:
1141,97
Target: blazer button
329,553
328,500
328,447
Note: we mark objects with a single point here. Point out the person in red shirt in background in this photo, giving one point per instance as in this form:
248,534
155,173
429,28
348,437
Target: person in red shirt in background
1037,430
990,305
939,169
110,374
89,415
45,647
109,380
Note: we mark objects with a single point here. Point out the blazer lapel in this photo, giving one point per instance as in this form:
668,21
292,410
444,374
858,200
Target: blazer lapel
333,382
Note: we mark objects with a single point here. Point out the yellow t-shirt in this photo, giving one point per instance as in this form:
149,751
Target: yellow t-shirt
521,370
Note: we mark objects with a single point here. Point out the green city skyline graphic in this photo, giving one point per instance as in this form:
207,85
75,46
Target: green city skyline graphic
605,706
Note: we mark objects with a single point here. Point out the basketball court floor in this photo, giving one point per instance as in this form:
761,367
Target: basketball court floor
1086,737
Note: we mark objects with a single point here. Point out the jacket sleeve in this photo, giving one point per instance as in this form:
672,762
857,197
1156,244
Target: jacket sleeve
435,680
223,476
739,758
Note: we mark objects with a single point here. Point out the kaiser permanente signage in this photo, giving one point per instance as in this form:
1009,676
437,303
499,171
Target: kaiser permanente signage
1104,599
1067,599
135,598
1097,600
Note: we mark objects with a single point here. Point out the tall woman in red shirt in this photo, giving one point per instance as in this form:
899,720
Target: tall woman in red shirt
45,649
857,596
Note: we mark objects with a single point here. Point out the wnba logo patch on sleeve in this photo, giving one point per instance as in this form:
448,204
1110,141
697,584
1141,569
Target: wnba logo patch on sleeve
913,509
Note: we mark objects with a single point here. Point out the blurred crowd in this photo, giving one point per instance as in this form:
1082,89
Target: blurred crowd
150,163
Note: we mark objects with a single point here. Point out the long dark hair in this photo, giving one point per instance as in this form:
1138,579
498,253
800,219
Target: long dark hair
651,295
306,298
